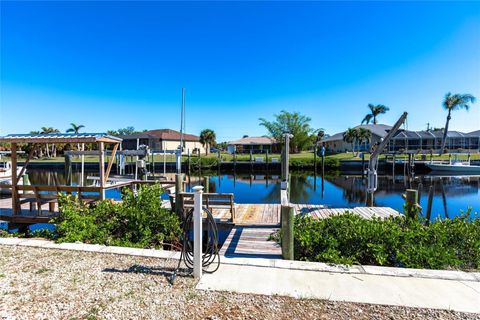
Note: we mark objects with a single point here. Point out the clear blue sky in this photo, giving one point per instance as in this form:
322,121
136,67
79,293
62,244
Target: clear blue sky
113,64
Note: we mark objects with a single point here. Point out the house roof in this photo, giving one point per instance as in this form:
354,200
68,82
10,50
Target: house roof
438,134
253,140
379,130
163,134
60,138
474,134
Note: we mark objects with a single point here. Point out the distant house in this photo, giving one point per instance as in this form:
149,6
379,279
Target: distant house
162,139
406,140
335,142
253,144
432,140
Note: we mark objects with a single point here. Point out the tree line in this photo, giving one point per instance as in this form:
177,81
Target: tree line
304,135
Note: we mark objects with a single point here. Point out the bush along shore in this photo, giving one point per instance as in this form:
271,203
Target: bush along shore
395,241
138,221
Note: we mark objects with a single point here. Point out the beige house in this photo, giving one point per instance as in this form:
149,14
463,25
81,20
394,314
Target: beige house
253,144
162,140
335,142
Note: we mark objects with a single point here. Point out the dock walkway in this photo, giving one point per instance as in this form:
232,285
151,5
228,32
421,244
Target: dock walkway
251,232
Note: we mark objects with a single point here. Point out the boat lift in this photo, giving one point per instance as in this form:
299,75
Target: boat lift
372,177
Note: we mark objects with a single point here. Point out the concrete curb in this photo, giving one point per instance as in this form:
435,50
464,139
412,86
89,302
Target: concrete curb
257,262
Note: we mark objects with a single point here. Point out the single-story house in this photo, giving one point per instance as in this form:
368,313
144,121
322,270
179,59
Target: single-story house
335,142
162,140
253,144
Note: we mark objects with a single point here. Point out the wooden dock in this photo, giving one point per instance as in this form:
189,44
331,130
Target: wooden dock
251,242
253,227
247,214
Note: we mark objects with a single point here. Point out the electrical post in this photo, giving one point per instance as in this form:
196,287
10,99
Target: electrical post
197,232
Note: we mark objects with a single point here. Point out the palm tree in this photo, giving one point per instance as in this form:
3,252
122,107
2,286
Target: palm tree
48,130
451,103
75,129
207,139
375,110
350,136
364,135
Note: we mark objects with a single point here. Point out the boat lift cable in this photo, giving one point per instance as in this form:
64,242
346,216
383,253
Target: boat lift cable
210,256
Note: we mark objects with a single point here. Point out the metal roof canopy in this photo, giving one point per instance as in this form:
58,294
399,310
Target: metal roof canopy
53,138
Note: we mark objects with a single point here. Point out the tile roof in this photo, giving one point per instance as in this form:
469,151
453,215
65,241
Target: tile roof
253,140
59,137
163,134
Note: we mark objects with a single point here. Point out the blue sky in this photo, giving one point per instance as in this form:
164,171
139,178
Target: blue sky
113,64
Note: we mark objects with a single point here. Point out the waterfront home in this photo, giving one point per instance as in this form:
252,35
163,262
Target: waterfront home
161,140
407,140
432,140
335,142
254,145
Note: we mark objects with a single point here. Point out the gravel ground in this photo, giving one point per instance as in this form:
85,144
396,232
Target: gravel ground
59,284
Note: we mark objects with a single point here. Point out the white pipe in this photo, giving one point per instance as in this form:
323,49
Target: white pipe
83,166
197,232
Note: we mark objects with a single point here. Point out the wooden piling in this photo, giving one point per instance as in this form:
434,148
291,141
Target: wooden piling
287,216
411,203
178,190
429,205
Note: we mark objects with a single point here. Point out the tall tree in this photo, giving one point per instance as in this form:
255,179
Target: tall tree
363,135
453,102
48,130
350,136
74,128
294,123
375,110
207,139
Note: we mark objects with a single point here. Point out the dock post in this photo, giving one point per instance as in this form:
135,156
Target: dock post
393,167
15,207
178,190
101,148
197,232
266,160
251,160
287,218
164,162
429,206
370,199
234,161
411,203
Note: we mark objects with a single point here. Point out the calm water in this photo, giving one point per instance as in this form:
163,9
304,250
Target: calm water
337,191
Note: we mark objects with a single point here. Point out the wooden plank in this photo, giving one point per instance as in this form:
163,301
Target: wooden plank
110,163
13,159
30,155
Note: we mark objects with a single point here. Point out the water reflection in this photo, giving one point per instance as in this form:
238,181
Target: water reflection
451,194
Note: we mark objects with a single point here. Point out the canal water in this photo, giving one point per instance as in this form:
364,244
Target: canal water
452,195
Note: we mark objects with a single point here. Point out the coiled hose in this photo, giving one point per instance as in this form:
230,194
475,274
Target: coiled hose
210,247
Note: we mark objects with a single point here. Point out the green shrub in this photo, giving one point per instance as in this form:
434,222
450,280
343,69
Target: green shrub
399,242
298,163
204,162
138,221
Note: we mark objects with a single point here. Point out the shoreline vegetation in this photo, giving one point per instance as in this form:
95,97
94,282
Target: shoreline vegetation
393,242
407,241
